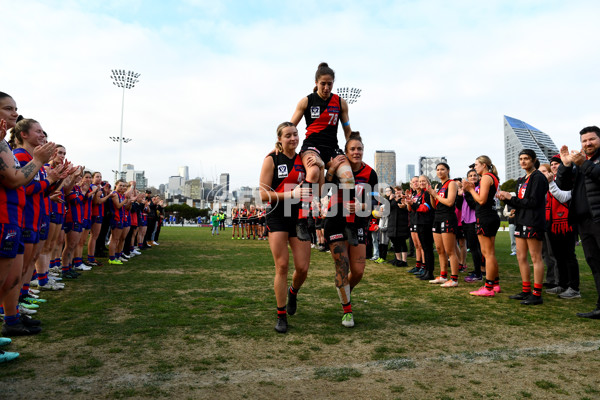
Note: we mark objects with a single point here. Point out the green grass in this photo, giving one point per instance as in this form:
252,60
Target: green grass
205,307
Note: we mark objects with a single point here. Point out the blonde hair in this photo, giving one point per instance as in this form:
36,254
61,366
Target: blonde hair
488,162
280,129
24,125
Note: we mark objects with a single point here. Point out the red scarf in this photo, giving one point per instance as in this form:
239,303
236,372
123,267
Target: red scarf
558,214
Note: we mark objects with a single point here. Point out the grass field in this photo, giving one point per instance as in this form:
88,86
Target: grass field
194,317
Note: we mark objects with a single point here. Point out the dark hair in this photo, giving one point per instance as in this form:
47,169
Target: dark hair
536,164
323,69
472,170
354,135
528,152
444,164
4,95
589,129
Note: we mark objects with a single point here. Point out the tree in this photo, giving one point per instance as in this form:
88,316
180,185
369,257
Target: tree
509,186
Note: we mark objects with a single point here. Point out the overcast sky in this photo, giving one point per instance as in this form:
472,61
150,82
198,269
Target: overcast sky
217,77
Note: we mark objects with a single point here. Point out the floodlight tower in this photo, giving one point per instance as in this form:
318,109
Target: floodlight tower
124,80
351,95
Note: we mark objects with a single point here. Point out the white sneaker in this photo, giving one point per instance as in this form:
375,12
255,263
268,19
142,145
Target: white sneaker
136,252
34,283
52,286
158,244
348,320
55,283
26,311
450,283
125,255
439,279
55,270
33,291
123,259
83,267
33,295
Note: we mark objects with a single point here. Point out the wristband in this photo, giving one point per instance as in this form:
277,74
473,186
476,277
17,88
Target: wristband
346,123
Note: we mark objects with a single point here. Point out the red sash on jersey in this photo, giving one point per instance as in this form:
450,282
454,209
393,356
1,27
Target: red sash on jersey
443,190
522,188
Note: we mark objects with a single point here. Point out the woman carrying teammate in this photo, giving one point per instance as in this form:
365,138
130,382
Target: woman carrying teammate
350,257
280,178
444,226
530,220
322,111
488,221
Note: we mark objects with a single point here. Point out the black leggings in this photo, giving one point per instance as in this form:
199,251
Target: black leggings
426,238
399,244
563,247
473,244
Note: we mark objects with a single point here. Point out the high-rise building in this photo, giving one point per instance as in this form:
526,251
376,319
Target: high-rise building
519,135
224,186
130,174
385,166
192,189
245,195
175,186
184,172
427,166
410,172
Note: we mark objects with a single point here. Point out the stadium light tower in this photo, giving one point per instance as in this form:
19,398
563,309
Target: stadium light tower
351,95
124,80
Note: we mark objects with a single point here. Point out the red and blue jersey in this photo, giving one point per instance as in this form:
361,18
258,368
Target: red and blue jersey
34,192
57,207
118,213
75,205
126,215
98,209
12,203
87,205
